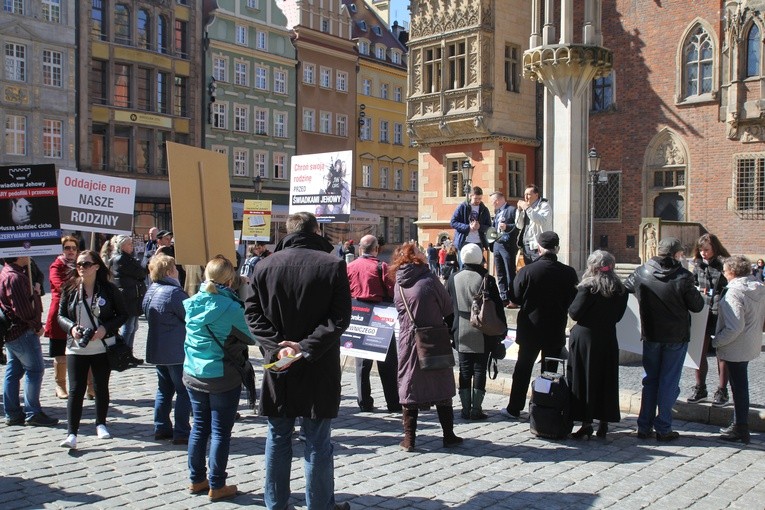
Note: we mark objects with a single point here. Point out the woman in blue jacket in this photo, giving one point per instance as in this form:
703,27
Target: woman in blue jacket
163,308
216,350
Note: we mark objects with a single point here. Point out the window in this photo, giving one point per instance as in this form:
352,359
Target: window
398,130
121,92
15,62
341,125
432,67
324,25
280,163
698,64
380,52
143,88
261,78
603,93
395,57
52,68
181,38
607,197
384,177
753,52
669,177
219,115
384,136
325,122
366,87
457,65
240,163
366,176
163,92
15,135
280,124
241,118
362,25
98,82
454,178
280,81
413,180
220,149
123,161
253,4
516,171
398,179
259,163
261,41
97,146
261,121
51,10
14,6
512,68
377,30
162,45
143,29
309,120
749,186
397,96
241,35
219,69
122,28
383,91
52,139
181,96
241,73
363,47
309,74
398,230
365,130
97,20
341,81
325,77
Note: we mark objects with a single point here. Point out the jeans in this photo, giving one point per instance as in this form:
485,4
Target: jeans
214,415
169,383
739,388
504,261
127,331
388,371
24,357
434,267
318,463
663,363
473,368
77,368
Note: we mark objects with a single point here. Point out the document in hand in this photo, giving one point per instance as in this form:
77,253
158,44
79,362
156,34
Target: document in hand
282,364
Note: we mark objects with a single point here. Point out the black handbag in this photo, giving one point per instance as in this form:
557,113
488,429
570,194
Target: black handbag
433,343
118,355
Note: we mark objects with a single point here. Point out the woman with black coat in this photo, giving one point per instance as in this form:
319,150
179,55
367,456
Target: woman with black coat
130,277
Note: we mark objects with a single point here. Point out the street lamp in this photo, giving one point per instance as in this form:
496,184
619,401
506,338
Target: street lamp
257,185
467,174
596,177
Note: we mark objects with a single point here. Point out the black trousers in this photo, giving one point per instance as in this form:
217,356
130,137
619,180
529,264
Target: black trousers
77,366
504,261
473,368
388,371
527,355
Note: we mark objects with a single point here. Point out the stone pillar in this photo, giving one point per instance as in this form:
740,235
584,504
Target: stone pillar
566,70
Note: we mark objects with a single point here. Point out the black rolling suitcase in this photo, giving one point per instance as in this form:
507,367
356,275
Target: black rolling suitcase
550,406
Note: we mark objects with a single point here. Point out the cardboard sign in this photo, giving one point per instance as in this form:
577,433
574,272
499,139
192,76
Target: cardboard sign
256,220
29,221
96,203
321,184
201,202
370,331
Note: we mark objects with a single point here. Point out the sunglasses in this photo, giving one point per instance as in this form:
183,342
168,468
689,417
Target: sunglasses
86,264
70,248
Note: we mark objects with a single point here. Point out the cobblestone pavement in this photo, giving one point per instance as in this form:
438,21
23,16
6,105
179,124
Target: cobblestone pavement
500,465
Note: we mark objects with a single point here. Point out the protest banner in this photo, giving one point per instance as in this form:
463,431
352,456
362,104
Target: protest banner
370,332
29,220
256,220
96,203
321,184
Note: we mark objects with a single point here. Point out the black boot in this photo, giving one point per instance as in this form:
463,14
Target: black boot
736,433
446,418
410,428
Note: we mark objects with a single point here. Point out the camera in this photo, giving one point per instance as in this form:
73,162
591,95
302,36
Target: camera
86,335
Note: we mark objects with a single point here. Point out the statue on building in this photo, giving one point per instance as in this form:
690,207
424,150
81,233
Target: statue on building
650,244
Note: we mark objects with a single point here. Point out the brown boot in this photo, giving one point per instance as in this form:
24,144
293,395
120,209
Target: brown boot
59,371
446,418
410,428
198,487
91,392
227,491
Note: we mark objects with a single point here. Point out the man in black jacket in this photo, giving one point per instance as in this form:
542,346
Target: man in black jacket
544,290
666,293
301,304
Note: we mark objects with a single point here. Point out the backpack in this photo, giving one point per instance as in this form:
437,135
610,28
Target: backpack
248,267
483,313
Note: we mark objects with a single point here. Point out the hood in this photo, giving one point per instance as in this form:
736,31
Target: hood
408,274
663,268
305,240
749,287
205,308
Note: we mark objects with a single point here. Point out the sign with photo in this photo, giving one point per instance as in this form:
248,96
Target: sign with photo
29,221
321,184
370,331
96,203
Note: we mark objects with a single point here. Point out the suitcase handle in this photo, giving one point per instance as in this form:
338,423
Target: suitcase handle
562,362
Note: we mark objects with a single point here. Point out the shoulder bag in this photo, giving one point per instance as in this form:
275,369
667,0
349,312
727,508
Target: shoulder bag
434,345
483,312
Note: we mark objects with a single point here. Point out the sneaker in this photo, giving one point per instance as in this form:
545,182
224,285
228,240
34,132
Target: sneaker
41,420
721,397
698,394
70,442
102,433
14,420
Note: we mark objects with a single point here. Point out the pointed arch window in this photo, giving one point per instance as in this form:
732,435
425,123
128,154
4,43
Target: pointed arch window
753,52
144,29
698,62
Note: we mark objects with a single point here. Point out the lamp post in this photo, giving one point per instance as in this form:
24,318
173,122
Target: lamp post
467,174
257,185
593,166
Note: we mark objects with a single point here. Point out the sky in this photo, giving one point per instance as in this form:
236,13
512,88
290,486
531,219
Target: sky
398,11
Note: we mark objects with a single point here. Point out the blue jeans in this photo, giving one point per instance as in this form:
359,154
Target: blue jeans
739,388
318,463
24,357
169,383
663,364
214,415
127,331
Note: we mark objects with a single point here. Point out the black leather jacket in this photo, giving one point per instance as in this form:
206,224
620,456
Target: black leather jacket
666,293
112,313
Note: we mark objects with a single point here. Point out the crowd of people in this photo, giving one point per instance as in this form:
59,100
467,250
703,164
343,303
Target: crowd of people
295,304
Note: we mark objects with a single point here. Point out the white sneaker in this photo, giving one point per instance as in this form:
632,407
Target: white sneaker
102,433
70,442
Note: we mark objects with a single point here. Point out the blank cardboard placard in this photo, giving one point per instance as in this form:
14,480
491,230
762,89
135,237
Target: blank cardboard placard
200,199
